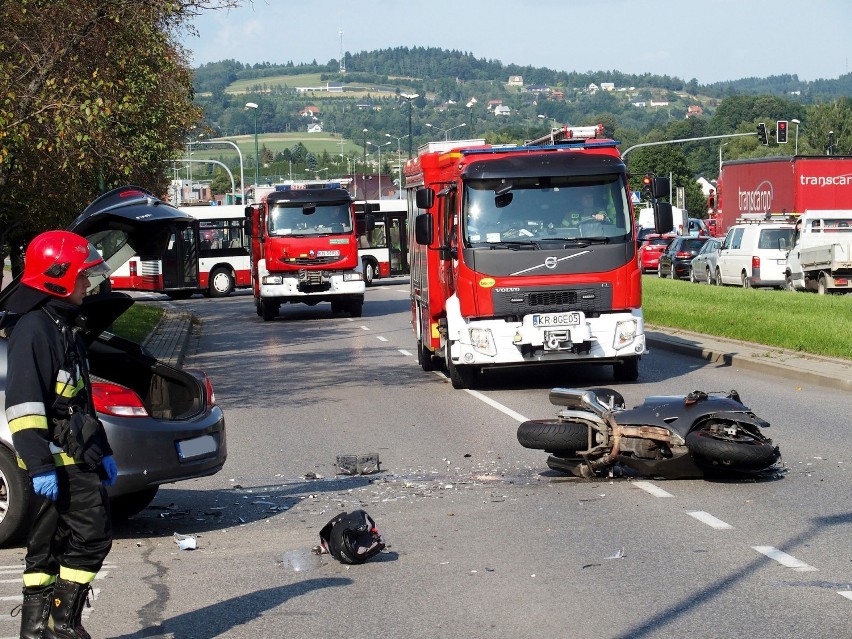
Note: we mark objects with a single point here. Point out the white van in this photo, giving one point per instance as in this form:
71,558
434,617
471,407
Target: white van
755,254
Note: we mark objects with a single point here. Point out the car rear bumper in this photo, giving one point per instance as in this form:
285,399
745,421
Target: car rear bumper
151,452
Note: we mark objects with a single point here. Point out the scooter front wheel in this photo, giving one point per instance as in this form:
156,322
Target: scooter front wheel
746,452
553,435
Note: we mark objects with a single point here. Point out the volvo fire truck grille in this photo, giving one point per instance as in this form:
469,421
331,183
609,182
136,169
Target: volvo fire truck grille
312,261
589,298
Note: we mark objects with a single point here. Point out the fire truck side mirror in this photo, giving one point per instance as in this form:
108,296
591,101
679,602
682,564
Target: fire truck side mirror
663,216
423,228
425,198
660,187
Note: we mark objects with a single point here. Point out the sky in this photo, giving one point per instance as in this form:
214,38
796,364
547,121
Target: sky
709,41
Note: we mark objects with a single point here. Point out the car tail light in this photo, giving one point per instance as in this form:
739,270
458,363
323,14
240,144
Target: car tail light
755,261
112,399
683,255
201,376
133,271
208,388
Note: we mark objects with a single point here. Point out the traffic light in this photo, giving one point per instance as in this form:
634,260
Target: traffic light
761,133
781,132
646,187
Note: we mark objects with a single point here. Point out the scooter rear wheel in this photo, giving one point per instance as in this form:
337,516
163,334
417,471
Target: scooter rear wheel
745,453
553,435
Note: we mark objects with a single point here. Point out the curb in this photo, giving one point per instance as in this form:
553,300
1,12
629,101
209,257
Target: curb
812,369
168,341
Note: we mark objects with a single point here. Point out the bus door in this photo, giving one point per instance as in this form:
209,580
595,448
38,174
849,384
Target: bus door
180,259
397,238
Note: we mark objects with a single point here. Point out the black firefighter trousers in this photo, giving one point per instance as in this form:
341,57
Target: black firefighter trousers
72,536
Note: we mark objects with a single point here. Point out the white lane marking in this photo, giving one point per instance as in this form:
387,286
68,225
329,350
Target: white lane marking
845,593
405,352
12,598
784,559
648,487
11,581
381,339
710,520
365,328
503,409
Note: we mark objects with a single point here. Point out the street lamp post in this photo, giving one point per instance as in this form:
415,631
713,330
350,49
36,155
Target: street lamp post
253,105
398,160
379,149
364,165
410,97
240,154
797,123
446,132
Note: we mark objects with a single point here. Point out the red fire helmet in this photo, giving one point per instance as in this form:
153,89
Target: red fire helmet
54,259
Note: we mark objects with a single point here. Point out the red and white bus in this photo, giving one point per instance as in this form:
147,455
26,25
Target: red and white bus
208,253
384,250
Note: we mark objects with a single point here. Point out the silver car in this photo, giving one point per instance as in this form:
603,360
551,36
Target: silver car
704,264
163,423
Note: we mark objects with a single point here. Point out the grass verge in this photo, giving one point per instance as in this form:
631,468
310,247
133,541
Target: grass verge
805,322
138,322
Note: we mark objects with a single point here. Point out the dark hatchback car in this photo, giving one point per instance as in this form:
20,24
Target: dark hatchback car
676,261
162,422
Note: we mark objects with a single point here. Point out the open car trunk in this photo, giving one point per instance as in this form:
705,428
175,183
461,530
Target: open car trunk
166,392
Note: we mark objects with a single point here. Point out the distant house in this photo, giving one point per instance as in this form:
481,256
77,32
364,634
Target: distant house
309,111
694,111
592,88
640,104
557,95
660,103
315,127
607,86
538,88
502,110
516,81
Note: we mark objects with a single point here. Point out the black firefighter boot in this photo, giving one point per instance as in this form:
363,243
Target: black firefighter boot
34,611
68,601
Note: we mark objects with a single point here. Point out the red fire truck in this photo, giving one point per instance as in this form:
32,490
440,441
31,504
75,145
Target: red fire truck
782,185
304,249
505,268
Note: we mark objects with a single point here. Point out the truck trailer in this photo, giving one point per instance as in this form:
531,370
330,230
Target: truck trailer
782,186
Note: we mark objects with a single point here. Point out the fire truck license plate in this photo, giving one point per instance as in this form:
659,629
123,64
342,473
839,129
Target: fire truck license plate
328,253
572,318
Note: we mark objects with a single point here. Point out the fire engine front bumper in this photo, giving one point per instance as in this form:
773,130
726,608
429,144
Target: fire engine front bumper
609,338
312,284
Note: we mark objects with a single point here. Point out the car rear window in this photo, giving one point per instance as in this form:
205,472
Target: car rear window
775,238
693,245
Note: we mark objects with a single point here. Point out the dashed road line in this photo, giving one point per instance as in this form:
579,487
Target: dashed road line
381,338
784,559
653,489
845,593
405,352
365,328
710,520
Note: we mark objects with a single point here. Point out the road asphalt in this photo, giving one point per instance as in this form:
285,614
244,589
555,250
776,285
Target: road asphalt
168,342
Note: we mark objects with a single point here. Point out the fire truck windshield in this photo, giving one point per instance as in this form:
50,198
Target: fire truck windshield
314,219
530,210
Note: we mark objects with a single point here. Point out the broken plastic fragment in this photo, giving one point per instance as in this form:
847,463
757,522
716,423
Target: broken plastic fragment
186,542
301,560
358,464
618,554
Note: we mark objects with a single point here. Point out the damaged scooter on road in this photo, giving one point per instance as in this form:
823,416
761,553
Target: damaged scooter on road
691,436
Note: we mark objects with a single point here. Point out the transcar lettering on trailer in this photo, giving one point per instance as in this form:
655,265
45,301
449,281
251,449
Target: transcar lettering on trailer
757,201
550,262
487,282
825,180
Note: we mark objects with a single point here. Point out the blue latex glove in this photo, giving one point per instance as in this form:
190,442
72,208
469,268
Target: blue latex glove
44,484
111,470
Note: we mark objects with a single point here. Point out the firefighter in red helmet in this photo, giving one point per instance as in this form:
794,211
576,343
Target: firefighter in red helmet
59,441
